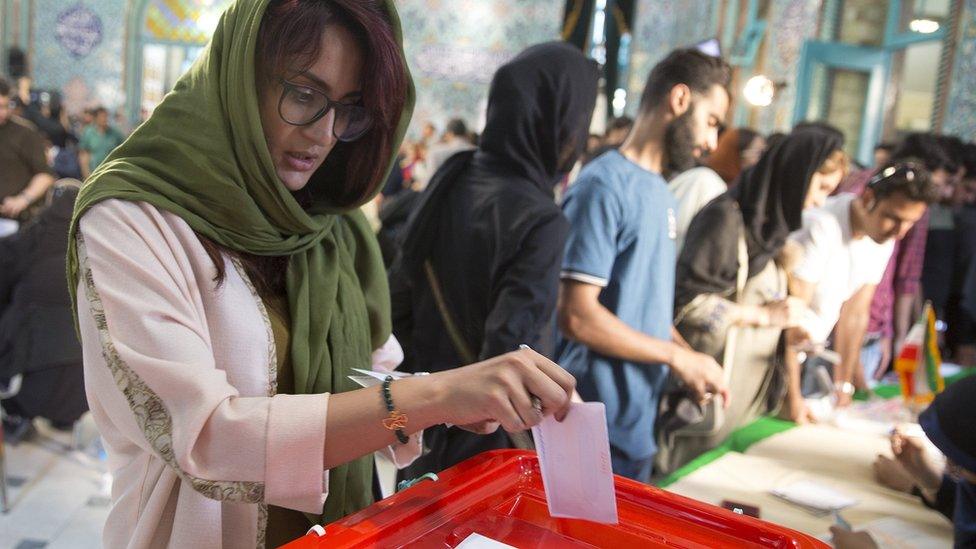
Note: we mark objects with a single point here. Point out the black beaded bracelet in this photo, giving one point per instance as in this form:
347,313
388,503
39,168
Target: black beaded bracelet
397,421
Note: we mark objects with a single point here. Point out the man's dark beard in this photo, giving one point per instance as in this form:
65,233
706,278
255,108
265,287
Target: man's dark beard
679,144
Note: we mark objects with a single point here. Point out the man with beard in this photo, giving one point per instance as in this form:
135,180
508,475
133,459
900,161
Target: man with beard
478,272
616,294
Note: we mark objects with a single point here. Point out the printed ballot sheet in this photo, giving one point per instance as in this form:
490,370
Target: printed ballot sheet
575,460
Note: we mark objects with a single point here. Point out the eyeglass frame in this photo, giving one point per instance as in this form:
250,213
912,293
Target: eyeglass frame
329,105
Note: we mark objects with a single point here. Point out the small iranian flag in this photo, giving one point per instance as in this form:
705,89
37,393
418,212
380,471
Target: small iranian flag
919,363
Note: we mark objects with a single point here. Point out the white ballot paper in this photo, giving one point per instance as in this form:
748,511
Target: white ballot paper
575,460
369,378
814,497
477,541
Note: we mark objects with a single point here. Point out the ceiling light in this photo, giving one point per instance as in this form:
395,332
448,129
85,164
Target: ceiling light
759,91
923,26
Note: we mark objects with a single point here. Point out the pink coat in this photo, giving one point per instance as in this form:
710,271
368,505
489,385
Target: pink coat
181,379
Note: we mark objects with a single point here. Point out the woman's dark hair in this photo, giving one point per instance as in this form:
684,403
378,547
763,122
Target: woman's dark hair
290,39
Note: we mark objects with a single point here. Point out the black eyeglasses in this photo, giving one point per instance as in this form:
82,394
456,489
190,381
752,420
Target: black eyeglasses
905,170
301,105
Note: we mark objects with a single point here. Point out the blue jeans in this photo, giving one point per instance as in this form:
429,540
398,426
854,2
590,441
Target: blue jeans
625,466
871,353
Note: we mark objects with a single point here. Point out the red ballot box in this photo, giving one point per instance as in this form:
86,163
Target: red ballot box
499,495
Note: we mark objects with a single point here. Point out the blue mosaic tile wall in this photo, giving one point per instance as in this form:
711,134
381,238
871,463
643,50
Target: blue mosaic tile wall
791,23
960,118
454,46
78,48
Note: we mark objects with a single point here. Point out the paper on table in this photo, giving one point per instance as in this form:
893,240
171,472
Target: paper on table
895,533
369,378
477,541
574,457
815,497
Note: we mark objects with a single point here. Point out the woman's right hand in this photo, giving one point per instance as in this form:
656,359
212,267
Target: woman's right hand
500,391
786,313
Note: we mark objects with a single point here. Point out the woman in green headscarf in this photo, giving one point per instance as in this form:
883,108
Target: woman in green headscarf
227,286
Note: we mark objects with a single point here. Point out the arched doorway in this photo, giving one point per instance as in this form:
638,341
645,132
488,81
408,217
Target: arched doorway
167,37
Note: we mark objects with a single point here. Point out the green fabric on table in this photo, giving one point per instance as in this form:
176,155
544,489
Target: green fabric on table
739,441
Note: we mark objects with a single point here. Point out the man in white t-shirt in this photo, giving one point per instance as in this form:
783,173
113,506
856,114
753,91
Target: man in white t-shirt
846,246
693,189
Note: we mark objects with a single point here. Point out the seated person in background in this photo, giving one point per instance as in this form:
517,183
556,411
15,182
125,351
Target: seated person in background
37,332
845,248
948,423
728,276
24,174
737,150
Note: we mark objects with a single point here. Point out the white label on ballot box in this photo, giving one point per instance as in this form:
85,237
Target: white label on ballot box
477,541
575,460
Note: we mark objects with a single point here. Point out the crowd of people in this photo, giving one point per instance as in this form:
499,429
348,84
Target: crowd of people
690,276
44,155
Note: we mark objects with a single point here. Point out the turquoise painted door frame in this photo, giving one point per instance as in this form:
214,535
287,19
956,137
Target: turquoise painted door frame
875,62
133,55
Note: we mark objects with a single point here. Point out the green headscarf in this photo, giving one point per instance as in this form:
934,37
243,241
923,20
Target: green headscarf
203,156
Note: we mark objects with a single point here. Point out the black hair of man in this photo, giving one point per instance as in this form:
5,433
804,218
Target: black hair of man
457,127
688,66
99,110
925,148
887,147
620,123
908,178
4,88
969,159
954,149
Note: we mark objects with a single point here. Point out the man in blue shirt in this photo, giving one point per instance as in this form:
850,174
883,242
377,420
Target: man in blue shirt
616,294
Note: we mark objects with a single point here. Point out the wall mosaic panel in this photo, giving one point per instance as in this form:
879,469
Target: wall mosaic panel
960,116
78,48
791,23
453,48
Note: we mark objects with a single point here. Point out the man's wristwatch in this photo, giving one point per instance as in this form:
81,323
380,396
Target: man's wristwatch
845,387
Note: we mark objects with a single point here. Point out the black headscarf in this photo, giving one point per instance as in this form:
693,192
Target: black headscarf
539,107
771,193
770,197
